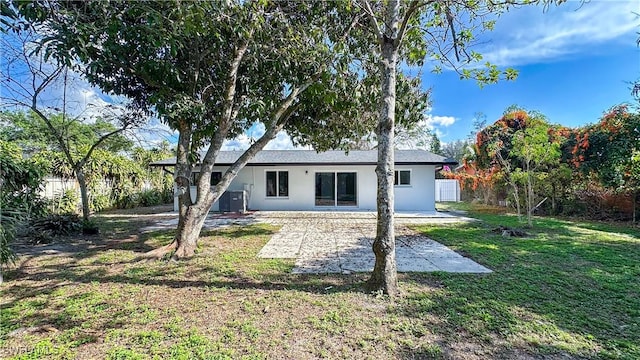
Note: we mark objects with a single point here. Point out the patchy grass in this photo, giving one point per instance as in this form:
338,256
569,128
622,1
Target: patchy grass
571,290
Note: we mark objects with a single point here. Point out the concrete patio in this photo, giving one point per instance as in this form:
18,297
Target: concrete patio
340,242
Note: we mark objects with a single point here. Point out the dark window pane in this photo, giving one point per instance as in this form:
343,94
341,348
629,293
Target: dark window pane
195,176
405,177
271,183
325,189
216,176
395,178
346,189
283,183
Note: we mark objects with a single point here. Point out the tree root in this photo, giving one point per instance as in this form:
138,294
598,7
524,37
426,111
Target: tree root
509,232
160,252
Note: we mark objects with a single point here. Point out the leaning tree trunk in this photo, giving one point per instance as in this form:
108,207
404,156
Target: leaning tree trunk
516,198
384,276
189,231
82,181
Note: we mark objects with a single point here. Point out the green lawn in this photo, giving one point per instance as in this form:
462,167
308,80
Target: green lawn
571,287
571,290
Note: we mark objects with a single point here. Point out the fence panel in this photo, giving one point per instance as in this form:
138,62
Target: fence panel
54,187
447,190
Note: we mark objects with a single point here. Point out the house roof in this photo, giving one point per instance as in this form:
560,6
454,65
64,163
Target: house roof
311,157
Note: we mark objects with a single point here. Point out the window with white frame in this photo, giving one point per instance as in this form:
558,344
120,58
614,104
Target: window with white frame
277,183
402,178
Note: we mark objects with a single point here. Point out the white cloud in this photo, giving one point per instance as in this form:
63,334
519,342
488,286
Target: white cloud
282,141
529,35
418,139
444,121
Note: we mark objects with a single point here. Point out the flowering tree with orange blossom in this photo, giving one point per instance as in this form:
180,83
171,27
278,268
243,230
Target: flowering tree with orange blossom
471,177
597,175
609,152
520,149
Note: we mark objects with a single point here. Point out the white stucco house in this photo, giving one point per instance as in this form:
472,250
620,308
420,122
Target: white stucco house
305,180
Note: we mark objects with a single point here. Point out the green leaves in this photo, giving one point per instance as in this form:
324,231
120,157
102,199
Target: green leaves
32,134
609,149
20,181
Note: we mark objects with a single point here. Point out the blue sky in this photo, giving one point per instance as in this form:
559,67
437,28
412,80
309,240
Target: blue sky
574,63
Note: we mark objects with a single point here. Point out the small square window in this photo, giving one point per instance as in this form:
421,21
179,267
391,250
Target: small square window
402,177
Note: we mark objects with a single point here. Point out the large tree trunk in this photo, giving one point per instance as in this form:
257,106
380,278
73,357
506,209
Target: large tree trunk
183,188
194,213
182,179
84,196
384,276
189,230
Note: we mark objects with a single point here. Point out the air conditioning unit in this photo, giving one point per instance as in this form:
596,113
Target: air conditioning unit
233,201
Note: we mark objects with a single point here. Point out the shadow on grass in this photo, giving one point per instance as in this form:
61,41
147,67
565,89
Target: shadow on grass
561,291
53,282
227,260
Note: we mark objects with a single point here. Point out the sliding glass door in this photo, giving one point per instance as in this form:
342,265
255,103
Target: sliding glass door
336,189
325,189
346,189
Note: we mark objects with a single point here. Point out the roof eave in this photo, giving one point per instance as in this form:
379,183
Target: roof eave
403,163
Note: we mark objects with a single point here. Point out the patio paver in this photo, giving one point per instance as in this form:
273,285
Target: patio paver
340,242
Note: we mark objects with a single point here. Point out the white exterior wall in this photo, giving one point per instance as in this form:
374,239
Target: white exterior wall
302,184
419,196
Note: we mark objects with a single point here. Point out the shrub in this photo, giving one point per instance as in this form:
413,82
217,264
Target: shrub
7,234
101,202
150,197
89,227
66,202
154,197
44,230
20,181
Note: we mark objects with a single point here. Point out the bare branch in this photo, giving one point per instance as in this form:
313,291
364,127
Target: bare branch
413,7
374,22
95,145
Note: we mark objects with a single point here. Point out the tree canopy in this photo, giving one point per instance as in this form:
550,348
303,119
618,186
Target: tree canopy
212,69
590,170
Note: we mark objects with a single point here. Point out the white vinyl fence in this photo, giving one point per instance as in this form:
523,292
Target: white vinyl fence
447,190
55,187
